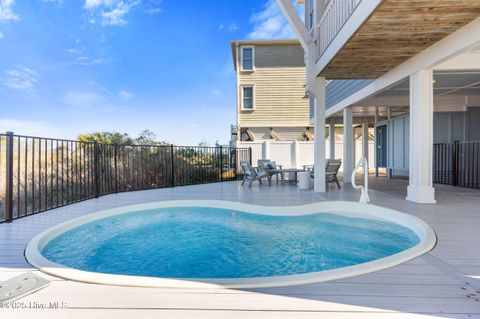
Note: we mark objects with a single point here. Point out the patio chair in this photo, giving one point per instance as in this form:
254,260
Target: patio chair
251,174
270,167
331,171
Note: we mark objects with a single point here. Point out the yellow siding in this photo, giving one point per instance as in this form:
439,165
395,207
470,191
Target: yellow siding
279,79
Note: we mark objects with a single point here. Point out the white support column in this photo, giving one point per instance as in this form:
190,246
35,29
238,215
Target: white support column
420,188
365,140
318,89
331,136
295,150
348,157
265,151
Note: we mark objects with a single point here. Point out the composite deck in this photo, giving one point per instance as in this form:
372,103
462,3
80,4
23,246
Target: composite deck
442,284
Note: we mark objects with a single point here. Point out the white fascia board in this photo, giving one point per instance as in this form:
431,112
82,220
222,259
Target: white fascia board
462,39
358,17
467,61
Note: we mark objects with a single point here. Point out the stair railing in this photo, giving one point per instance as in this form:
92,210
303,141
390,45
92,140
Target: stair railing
362,163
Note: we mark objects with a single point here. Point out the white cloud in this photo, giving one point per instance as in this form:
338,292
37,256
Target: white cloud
92,4
86,99
6,13
154,11
81,58
230,27
112,12
59,2
33,128
84,60
125,95
153,7
117,14
20,78
1,36
270,23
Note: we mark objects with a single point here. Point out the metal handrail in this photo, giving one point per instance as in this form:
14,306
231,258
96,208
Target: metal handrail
364,197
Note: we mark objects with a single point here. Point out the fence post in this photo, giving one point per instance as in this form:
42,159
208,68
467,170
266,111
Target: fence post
250,155
172,166
455,163
115,166
96,175
9,178
221,163
234,153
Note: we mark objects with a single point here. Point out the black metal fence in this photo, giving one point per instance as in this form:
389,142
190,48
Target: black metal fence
38,174
457,164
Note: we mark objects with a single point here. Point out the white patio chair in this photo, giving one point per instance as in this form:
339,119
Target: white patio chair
331,171
251,174
270,168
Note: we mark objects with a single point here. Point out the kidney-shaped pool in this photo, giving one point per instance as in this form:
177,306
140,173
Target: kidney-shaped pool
205,243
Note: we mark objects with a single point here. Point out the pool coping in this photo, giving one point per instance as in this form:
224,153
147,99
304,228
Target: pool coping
354,209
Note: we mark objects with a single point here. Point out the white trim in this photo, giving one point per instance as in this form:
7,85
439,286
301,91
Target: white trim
421,229
295,23
253,97
242,47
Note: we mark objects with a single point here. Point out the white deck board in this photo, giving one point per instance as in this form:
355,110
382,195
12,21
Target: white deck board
416,289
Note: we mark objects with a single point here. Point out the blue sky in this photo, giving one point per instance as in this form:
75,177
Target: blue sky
76,66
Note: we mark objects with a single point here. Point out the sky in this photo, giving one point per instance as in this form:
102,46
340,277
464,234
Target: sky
77,66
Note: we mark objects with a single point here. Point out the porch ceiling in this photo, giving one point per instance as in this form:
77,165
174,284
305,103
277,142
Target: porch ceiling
395,32
456,84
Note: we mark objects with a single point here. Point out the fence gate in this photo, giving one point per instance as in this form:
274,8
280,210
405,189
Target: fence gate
457,164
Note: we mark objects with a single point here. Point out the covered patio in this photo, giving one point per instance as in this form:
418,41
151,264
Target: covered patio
444,283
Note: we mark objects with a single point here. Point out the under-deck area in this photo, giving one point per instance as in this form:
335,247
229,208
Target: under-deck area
393,33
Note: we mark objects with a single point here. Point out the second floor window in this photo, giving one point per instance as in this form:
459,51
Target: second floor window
247,59
247,97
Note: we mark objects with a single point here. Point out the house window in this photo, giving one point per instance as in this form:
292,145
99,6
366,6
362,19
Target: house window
247,98
247,58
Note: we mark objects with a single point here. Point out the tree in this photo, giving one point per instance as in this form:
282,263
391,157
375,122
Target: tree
146,137
204,143
107,138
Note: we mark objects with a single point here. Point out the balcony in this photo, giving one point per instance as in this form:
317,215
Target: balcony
359,39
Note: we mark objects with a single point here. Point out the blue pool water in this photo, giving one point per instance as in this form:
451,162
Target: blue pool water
195,242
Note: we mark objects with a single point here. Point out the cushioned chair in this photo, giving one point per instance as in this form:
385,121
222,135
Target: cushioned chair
269,168
250,174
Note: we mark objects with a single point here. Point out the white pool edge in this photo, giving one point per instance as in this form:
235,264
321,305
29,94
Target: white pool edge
422,230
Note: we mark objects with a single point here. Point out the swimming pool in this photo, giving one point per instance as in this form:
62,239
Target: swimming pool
217,243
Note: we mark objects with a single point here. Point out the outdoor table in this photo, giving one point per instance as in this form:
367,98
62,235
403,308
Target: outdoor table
294,171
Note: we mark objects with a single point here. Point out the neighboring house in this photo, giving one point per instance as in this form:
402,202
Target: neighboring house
411,69
271,98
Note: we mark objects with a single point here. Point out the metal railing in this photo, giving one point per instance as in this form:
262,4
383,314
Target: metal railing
333,19
38,174
457,164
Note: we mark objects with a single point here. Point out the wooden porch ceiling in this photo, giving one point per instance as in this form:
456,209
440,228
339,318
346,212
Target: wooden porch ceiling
396,31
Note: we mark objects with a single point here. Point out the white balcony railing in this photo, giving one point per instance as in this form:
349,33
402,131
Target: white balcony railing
333,19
